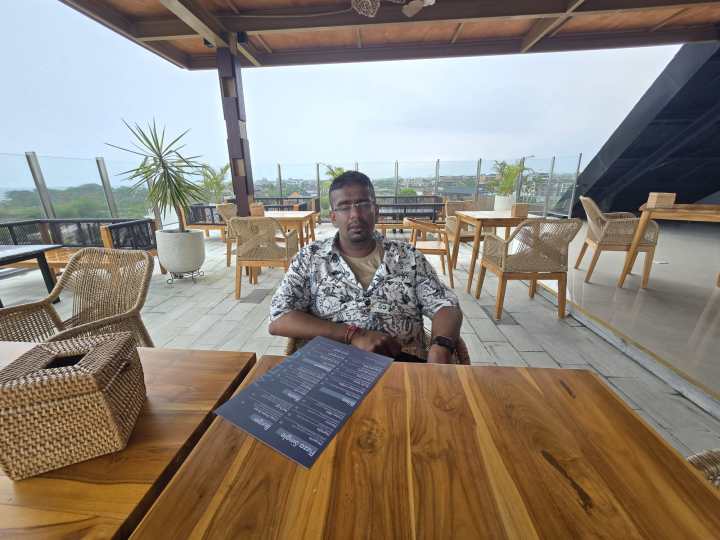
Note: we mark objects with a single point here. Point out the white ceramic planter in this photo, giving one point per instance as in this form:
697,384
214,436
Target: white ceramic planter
181,251
503,202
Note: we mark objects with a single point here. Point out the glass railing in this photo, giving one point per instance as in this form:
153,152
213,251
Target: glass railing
75,187
18,196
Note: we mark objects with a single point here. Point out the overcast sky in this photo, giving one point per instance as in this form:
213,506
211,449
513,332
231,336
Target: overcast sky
67,82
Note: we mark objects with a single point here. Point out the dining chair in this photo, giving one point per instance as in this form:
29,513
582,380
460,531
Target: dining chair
614,232
257,246
536,250
108,287
440,247
227,211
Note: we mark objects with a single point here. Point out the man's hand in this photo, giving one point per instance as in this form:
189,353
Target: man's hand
439,355
376,342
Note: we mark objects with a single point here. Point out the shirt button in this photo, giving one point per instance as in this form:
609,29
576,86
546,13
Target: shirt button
367,302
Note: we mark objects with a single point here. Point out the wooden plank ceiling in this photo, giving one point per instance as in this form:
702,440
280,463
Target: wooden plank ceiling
294,32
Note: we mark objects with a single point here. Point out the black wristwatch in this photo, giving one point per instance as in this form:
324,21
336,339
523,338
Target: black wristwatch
443,341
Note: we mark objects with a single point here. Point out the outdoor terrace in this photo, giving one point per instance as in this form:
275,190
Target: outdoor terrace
205,315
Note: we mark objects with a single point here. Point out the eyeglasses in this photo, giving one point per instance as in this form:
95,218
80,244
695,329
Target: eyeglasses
362,206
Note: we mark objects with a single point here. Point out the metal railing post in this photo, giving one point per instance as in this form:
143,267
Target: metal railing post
109,196
317,178
477,179
40,184
548,186
279,179
519,180
356,166
574,189
437,176
397,178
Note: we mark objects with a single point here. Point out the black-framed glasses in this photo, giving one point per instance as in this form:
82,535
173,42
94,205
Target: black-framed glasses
362,206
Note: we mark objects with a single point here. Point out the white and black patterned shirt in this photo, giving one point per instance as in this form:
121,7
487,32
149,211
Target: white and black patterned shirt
404,288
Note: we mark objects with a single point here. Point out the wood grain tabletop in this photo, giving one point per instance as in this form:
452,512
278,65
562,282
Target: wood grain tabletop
107,496
449,452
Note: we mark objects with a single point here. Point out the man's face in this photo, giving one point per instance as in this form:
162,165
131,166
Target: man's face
353,212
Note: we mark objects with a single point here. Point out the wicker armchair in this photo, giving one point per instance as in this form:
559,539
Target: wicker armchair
109,287
441,246
614,232
536,249
461,356
257,245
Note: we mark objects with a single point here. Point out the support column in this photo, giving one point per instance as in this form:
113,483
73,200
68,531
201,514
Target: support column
40,184
233,103
107,188
478,171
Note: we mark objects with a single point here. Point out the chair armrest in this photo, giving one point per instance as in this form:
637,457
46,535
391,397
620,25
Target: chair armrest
125,322
619,215
32,322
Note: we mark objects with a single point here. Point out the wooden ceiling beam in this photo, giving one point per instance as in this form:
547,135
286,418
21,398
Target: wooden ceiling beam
114,20
210,28
544,27
563,42
162,30
199,19
281,20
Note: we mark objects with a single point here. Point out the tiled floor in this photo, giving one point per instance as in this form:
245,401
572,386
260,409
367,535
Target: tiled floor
206,315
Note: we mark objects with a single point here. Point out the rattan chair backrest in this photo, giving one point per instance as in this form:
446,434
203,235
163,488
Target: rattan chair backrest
542,244
256,238
106,282
227,211
257,209
596,220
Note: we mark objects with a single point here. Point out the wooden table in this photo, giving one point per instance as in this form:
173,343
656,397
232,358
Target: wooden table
14,254
480,219
678,212
449,452
107,496
296,220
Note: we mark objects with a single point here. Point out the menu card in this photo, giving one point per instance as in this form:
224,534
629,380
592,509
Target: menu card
298,406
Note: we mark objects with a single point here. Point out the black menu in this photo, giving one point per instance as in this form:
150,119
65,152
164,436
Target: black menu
298,406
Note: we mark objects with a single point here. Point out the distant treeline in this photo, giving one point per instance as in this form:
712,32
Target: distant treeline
87,201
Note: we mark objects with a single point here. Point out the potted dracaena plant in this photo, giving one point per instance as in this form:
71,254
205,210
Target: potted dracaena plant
167,175
503,185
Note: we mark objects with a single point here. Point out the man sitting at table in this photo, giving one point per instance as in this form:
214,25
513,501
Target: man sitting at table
363,289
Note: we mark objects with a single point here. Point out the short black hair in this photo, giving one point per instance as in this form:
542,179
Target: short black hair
348,178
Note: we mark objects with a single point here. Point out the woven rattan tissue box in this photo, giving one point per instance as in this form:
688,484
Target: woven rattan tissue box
68,401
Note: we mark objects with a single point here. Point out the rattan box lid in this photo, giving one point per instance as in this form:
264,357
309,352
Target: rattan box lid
65,369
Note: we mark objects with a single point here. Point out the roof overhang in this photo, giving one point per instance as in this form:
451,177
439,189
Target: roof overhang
296,32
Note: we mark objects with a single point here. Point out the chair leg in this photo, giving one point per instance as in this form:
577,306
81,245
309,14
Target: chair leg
450,271
481,279
238,279
583,249
562,295
442,264
533,288
228,251
593,262
649,255
502,283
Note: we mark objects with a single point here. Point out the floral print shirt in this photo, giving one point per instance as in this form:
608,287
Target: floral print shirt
404,289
